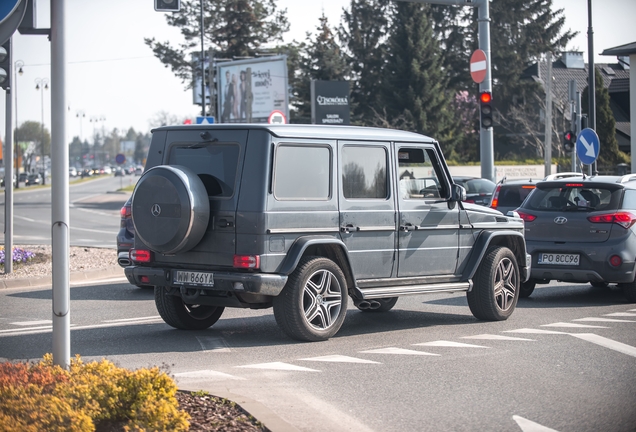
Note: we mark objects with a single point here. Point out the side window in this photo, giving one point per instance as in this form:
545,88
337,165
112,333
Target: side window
364,172
302,173
420,174
629,199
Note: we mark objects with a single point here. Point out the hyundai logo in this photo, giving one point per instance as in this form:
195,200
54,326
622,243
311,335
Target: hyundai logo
560,220
155,210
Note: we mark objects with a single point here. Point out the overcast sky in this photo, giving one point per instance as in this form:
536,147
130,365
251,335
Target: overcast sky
113,80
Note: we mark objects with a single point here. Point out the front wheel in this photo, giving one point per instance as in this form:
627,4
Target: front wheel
185,316
527,288
313,304
496,290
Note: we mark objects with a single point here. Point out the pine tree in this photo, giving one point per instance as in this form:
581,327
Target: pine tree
362,34
321,60
415,85
609,153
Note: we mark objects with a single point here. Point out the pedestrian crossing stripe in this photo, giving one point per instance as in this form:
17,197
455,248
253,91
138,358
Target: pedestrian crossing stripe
572,325
206,375
533,331
594,319
398,351
279,366
339,359
443,343
621,314
497,337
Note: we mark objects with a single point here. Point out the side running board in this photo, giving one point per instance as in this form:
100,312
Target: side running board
397,291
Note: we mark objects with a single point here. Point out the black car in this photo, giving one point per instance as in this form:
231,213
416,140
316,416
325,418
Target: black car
478,190
126,239
33,180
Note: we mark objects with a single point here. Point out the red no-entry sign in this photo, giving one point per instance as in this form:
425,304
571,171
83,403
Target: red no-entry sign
478,66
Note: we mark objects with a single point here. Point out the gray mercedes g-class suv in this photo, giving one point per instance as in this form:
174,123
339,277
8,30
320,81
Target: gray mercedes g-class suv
301,217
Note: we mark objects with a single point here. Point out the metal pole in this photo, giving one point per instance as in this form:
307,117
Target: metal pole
60,237
592,73
8,179
486,140
16,154
202,67
579,119
547,148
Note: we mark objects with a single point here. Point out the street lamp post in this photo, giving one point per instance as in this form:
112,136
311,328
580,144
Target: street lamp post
18,71
42,84
95,120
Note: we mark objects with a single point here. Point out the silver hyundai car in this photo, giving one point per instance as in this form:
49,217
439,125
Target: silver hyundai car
582,230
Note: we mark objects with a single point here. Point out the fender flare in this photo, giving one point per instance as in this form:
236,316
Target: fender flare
301,244
481,246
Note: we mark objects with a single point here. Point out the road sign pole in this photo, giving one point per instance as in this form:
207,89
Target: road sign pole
60,220
486,138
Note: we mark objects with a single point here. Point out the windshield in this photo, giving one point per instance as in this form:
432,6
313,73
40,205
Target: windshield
576,197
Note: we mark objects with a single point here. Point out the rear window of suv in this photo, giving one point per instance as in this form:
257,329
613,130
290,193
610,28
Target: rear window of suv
573,197
215,164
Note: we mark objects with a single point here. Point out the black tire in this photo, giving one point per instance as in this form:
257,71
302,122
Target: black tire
496,289
386,304
182,316
526,288
599,284
629,290
313,304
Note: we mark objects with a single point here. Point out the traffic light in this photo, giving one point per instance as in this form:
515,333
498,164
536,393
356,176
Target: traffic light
485,107
569,139
168,5
5,65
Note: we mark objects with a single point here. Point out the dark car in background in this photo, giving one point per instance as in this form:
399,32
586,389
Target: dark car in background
478,190
126,239
509,194
33,180
582,230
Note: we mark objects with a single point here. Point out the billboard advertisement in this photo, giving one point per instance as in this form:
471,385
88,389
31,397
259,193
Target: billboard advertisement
250,90
330,102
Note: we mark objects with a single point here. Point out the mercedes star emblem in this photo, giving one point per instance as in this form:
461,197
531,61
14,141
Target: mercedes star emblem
155,210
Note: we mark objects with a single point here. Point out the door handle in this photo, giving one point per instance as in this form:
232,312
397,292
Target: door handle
408,227
348,228
224,223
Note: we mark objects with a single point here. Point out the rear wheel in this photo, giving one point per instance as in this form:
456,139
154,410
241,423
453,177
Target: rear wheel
526,288
629,289
496,290
313,304
185,316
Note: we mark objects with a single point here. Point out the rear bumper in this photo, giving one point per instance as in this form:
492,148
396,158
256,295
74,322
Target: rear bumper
252,283
594,263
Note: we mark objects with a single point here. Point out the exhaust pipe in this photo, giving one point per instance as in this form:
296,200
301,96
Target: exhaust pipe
367,304
189,296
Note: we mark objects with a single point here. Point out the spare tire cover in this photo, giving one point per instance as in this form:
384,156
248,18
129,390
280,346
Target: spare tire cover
170,209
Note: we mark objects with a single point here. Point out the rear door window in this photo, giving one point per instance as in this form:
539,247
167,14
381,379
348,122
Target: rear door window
302,173
364,172
574,197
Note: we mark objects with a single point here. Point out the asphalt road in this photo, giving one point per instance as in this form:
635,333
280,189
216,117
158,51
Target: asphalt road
564,361
94,212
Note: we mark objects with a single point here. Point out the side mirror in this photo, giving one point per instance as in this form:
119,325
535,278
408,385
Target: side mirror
458,193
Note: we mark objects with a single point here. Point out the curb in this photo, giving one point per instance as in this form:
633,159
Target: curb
75,278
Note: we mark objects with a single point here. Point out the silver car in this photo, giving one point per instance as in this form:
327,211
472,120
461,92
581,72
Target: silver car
582,230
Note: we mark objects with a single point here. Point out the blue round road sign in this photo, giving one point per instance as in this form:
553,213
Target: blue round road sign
120,158
587,146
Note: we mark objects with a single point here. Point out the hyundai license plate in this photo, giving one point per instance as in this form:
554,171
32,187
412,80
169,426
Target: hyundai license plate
558,259
193,278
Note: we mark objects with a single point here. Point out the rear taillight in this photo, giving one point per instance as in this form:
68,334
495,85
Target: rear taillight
472,201
495,198
624,219
615,261
526,216
125,211
247,261
140,255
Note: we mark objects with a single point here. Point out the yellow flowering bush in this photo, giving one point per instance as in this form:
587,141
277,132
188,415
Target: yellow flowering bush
87,397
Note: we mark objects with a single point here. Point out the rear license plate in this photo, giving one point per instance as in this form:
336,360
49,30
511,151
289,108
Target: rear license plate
558,259
193,278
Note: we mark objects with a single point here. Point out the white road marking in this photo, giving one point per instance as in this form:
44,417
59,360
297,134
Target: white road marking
156,317
207,375
340,359
443,343
621,314
213,344
25,331
393,350
24,218
607,343
497,337
279,366
533,331
32,323
571,325
36,330
593,319
530,426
